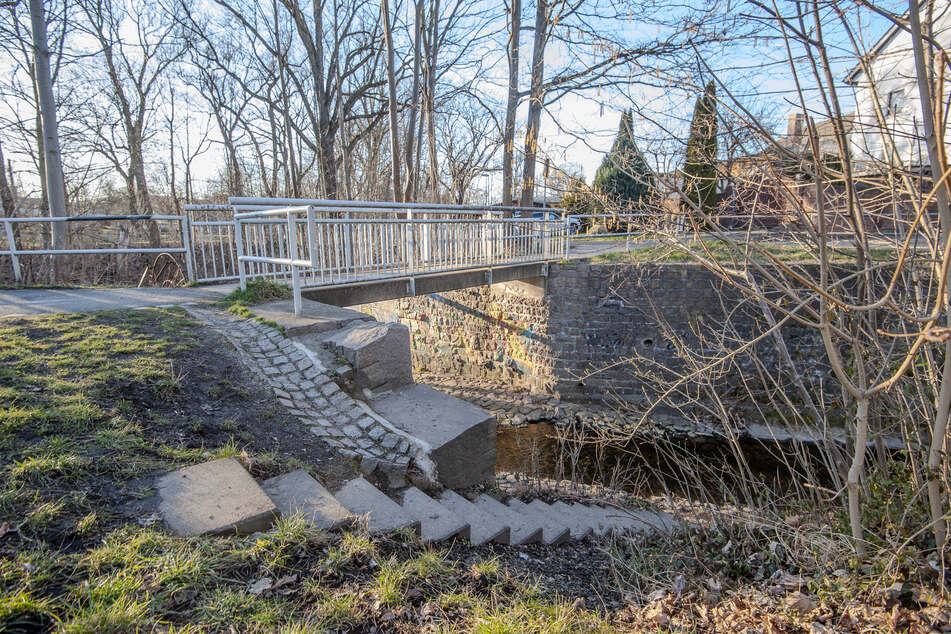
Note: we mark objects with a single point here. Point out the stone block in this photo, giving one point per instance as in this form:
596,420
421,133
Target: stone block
383,514
297,492
379,354
214,498
460,436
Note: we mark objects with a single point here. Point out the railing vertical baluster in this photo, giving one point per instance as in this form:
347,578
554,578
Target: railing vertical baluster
14,259
239,250
292,254
187,245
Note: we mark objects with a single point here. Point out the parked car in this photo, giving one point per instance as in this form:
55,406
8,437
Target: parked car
574,224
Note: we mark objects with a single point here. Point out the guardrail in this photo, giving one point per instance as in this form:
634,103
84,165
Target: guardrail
315,251
16,252
215,251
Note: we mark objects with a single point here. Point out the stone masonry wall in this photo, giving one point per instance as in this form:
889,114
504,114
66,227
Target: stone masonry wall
549,337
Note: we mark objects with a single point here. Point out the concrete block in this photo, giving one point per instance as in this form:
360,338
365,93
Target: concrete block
379,354
383,514
576,516
461,437
214,498
483,527
297,492
437,522
555,529
523,529
316,317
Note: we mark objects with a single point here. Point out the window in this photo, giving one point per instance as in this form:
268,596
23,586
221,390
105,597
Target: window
894,102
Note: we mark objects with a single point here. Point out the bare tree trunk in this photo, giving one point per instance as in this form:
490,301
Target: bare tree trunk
938,164
409,147
391,98
511,106
534,104
855,474
7,203
52,161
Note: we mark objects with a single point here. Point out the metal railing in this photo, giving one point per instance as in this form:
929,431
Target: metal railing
215,251
16,251
296,242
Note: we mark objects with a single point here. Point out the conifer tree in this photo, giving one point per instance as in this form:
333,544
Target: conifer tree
700,166
624,176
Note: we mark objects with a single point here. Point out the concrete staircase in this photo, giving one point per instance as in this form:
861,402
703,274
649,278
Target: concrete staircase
220,497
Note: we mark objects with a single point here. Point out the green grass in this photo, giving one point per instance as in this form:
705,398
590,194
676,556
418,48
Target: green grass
87,422
722,252
256,292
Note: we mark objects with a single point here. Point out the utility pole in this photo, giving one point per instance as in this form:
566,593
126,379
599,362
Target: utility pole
55,187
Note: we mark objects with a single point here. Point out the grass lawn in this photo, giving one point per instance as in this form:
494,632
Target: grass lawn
93,407
721,252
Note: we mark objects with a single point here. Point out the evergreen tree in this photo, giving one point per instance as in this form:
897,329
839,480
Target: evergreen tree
700,166
624,176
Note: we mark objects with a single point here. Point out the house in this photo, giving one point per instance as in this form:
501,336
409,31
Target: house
888,127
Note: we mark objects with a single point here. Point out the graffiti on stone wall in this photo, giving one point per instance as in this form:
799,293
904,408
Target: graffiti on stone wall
472,334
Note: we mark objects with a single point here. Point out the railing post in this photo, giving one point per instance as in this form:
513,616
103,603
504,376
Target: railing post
239,253
410,243
566,235
187,245
292,254
14,260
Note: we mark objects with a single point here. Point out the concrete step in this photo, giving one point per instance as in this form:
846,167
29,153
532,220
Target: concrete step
297,492
216,497
437,522
554,530
460,436
575,517
523,529
638,520
383,514
316,317
484,527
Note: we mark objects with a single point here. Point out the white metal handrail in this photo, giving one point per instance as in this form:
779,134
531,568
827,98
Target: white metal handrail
16,252
317,252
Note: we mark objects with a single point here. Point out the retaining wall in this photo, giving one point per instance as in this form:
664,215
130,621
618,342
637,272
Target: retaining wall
569,334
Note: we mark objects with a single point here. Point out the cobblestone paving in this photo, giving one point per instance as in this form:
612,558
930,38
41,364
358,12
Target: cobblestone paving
306,388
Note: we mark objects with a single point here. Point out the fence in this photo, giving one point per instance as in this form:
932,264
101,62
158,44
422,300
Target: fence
312,250
19,246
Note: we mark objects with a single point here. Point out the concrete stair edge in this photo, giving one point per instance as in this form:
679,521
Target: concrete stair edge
554,532
484,527
522,531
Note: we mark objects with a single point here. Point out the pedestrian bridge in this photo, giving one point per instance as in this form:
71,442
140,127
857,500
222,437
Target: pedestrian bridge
352,252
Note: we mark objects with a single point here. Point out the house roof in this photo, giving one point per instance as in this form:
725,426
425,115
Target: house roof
884,41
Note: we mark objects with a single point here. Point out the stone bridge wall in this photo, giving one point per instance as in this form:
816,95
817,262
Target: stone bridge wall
548,336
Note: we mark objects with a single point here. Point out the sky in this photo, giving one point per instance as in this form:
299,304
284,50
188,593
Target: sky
579,129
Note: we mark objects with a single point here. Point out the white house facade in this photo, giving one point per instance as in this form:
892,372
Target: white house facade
892,136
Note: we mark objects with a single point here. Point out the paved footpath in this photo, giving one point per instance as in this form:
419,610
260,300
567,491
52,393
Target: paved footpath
41,301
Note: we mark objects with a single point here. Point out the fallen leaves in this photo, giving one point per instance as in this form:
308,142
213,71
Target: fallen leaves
266,585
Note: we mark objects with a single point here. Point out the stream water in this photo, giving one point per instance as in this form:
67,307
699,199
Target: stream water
644,466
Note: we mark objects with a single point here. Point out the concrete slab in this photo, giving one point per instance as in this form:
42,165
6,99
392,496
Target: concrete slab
483,527
638,520
524,530
437,522
216,497
297,492
577,517
316,317
379,354
383,514
461,436
554,529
